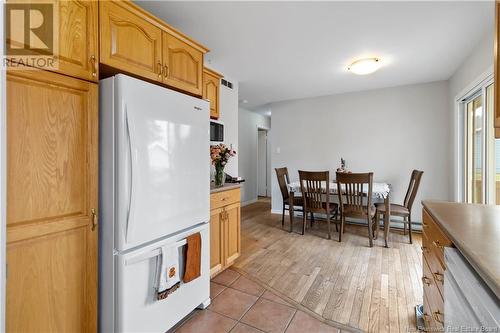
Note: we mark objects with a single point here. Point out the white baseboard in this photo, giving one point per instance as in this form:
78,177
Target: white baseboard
249,202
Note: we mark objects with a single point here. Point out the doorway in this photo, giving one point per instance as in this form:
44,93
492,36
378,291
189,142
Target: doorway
262,163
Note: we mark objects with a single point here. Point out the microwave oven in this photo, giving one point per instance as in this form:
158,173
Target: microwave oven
216,132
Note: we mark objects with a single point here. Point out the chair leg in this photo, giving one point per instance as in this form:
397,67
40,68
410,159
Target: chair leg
336,224
370,236
304,219
404,226
312,219
409,228
375,226
328,221
341,228
283,217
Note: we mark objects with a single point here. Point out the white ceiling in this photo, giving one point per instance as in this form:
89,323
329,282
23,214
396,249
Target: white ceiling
287,50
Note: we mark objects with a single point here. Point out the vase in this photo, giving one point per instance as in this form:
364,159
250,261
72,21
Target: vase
219,176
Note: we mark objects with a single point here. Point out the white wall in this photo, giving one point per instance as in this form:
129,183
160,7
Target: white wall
477,66
249,123
229,116
387,131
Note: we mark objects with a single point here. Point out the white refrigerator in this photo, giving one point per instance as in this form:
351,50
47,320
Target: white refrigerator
154,192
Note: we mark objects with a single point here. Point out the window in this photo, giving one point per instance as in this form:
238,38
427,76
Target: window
481,149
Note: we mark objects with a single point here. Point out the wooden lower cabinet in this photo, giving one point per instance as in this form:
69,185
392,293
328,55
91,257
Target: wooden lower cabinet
52,175
433,243
225,239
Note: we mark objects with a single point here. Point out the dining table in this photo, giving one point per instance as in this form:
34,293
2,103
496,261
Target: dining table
380,191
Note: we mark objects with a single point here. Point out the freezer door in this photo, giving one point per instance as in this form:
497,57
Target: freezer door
137,309
163,165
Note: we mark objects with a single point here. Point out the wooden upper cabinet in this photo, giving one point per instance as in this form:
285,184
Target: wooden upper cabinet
497,70
129,42
78,39
52,174
183,65
211,90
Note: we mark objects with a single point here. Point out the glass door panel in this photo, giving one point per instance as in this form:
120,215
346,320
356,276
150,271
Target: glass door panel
475,149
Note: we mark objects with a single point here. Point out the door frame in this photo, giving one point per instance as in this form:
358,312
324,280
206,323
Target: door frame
263,128
474,90
3,178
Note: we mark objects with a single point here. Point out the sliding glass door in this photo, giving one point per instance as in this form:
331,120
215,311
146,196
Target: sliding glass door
482,150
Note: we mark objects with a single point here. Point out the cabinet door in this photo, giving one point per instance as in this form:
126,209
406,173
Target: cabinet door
216,241
128,42
78,35
211,86
232,233
52,130
183,65
497,70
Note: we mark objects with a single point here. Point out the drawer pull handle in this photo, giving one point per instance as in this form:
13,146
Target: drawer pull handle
438,245
160,69
426,280
425,225
93,62
439,277
438,316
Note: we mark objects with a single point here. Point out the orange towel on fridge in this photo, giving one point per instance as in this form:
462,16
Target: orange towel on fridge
193,257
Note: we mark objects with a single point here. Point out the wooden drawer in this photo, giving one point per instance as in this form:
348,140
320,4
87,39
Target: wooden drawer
437,240
435,265
224,198
434,305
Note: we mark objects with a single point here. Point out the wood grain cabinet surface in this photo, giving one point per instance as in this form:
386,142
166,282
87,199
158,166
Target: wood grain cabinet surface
225,239
497,69
135,42
182,65
129,42
52,201
433,243
211,90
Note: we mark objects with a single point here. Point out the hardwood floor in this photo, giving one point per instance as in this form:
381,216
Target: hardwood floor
370,289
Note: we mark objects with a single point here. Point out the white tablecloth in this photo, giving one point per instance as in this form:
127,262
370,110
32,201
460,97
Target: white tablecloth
379,190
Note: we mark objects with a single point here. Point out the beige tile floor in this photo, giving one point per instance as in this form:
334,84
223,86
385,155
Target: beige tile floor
240,305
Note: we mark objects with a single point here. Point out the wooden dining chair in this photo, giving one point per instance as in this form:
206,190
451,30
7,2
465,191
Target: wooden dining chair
315,198
283,181
403,210
355,198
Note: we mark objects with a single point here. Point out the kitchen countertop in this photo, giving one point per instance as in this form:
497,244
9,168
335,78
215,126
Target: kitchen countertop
225,187
475,231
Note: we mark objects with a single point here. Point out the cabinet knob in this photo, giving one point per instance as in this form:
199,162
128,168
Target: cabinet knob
159,69
94,218
438,316
438,244
438,276
165,71
93,62
426,280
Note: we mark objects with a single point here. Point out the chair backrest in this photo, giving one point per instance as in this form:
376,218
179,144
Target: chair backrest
354,189
283,180
411,193
312,191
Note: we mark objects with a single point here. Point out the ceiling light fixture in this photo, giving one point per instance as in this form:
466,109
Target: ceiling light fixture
365,66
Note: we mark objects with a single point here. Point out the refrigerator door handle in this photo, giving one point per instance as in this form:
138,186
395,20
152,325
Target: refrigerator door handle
131,174
143,256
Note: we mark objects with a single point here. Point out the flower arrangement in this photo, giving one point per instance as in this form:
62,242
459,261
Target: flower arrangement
220,155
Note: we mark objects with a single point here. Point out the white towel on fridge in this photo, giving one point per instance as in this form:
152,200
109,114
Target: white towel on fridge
169,271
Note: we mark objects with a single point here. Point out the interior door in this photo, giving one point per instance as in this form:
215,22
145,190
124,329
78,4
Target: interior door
129,42
183,65
51,203
166,139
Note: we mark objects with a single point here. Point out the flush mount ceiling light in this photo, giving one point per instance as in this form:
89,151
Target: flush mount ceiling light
365,66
